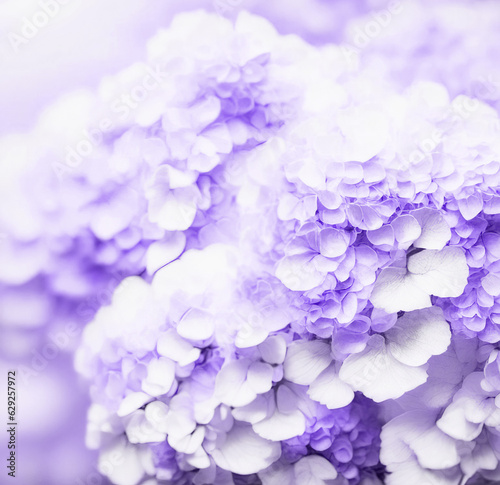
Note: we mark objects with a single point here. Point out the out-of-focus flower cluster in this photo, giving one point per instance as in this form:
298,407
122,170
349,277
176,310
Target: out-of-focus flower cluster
138,166
312,292
438,41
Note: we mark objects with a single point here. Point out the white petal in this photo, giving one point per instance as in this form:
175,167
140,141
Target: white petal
381,236
393,448
406,229
333,242
246,25
179,424
454,423
395,291
306,360
196,324
204,112
278,473
471,206
198,459
314,470
435,449
130,471
260,377
330,390
156,413
377,374
188,444
491,284
116,215
177,178
133,401
435,230
442,273
205,276
178,209
291,207
245,452
250,335
288,400
160,377
482,457
418,335
411,473
417,430
213,140
140,430
260,408
273,350
161,253
281,426
299,273
231,385
172,345
445,374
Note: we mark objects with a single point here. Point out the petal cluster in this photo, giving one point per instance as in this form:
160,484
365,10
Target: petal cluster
287,267
319,301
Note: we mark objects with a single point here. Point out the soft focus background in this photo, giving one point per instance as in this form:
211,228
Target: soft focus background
87,40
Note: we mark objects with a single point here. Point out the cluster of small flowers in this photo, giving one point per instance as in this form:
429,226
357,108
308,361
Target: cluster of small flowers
429,38
139,165
192,368
394,256
197,378
314,252
343,330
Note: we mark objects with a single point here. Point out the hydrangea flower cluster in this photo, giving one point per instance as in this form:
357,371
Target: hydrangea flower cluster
138,170
312,291
345,330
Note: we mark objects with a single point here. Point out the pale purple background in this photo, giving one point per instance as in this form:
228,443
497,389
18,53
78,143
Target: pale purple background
88,39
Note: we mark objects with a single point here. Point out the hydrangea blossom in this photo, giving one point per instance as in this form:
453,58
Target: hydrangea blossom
159,173
182,370
280,356
307,257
